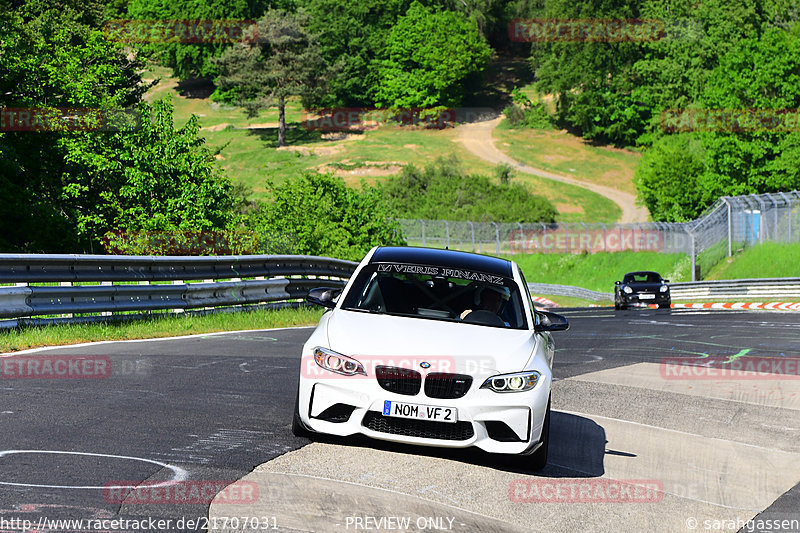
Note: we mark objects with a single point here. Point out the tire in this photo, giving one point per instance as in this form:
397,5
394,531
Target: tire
298,428
539,457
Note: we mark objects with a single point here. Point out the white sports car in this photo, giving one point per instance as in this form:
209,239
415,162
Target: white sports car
431,347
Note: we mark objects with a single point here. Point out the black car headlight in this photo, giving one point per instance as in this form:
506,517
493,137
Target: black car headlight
518,382
338,363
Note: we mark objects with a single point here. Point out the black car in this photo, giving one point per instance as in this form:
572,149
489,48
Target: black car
641,288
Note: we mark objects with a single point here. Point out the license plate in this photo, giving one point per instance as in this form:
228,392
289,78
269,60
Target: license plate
420,412
647,296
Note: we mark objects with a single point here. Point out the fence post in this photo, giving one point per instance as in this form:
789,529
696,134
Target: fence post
730,224
472,230
605,243
423,231
694,258
788,217
496,236
521,238
543,247
447,233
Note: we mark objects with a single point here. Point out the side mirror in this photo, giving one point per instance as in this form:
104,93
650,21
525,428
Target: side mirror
665,281
323,296
617,282
551,322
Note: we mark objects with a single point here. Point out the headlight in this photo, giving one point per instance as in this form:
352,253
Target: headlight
519,382
663,288
627,289
336,362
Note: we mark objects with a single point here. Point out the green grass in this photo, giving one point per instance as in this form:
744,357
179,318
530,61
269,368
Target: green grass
161,326
768,260
599,271
566,154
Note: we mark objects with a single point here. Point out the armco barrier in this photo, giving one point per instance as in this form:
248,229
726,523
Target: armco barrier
27,300
692,290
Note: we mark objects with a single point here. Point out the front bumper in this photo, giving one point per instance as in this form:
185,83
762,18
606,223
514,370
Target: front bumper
635,298
509,423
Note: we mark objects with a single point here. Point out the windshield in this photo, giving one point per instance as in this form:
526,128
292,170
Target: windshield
437,293
642,277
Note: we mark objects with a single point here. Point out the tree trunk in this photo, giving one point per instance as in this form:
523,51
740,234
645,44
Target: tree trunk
281,121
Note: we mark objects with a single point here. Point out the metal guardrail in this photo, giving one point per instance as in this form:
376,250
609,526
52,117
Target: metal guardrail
569,290
37,300
780,288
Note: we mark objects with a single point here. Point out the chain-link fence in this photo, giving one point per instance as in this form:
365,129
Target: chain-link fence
730,224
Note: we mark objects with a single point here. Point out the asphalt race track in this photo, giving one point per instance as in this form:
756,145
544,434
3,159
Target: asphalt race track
633,446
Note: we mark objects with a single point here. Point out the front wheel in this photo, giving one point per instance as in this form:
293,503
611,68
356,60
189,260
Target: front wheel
539,457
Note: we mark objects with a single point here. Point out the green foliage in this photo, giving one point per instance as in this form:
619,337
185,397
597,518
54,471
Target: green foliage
189,59
351,36
283,61
599,271
669,177
428,57
52,55
444,191
532,116
317,214
154,178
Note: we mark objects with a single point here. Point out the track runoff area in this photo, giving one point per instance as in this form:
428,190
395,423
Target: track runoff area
663,420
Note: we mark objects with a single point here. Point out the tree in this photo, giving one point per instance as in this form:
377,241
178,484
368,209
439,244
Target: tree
143,179
669,178
193,59
319,215
428,57
282,60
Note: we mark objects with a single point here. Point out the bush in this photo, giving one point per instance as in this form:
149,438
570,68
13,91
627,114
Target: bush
316,214
443,190
533,116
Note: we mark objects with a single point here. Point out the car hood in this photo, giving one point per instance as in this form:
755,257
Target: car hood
447,346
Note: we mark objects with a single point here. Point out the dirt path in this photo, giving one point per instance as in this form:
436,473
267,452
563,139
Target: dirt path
477,138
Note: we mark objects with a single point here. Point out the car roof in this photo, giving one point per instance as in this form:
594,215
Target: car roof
444,258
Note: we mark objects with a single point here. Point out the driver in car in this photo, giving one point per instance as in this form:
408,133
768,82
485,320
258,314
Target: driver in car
490,298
